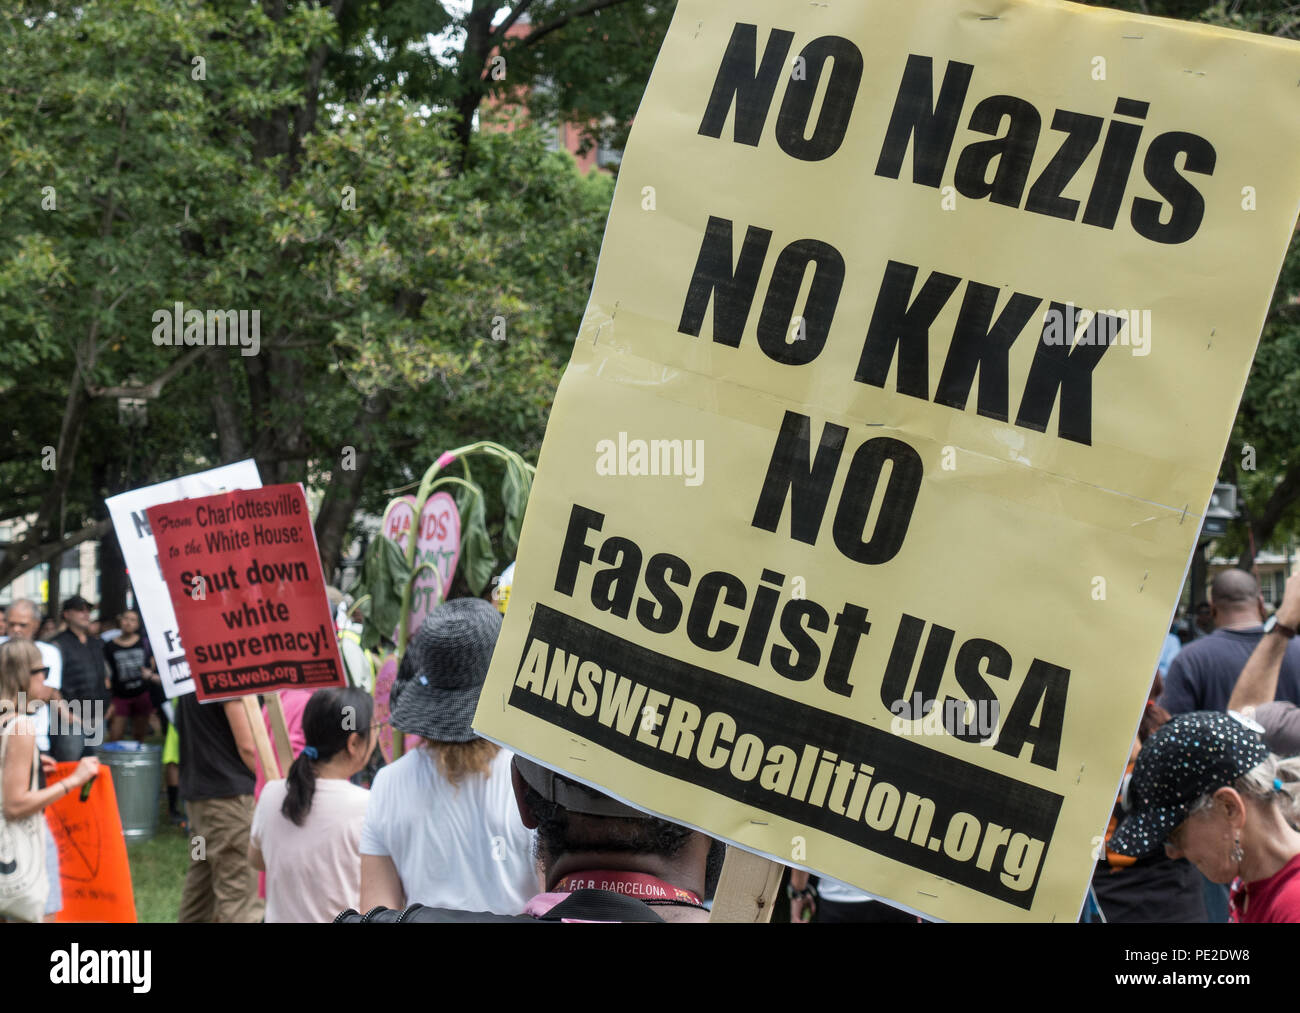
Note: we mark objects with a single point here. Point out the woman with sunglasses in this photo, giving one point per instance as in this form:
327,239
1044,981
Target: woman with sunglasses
307,827
1206,788
22,802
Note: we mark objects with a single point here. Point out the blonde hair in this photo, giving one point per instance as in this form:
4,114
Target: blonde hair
17,659
459,760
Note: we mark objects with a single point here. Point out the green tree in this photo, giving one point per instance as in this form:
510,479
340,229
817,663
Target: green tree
174,151
580,61
201,152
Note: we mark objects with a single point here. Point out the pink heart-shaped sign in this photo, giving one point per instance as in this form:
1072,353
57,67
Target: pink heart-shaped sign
437,543
383,715
397,520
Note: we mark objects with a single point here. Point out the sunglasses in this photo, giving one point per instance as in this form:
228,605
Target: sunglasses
41,671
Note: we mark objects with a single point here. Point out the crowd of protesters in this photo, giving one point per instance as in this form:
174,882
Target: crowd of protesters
1205,827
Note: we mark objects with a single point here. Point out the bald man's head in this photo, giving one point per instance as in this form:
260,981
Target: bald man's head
1234,588
1236,599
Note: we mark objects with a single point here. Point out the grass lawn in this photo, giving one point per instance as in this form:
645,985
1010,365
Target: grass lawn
158,870
158,866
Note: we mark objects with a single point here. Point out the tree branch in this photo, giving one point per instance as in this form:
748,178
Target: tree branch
305,122
14,568
153,389
509,23
1284,494
16,510
533,37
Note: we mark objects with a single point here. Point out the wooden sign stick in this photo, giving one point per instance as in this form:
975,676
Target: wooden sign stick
263,742
747,889
279,729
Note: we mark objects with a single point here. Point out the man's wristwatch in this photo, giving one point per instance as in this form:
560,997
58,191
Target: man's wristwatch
1273,626
794,894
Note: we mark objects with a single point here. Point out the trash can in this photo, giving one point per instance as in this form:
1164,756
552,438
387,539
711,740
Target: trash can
137,782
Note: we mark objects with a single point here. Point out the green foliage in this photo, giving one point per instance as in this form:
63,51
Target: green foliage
223,192
383,585
384,576
477,558
1267,16
408,290
229,190
104,153
593,72
516,484
1263,456
584,68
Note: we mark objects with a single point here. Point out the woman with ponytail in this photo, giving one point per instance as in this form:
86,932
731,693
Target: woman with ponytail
307,827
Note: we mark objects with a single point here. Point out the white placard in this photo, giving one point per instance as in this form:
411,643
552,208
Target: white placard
141,557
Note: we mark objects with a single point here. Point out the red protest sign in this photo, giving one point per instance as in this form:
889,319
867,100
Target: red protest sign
245,581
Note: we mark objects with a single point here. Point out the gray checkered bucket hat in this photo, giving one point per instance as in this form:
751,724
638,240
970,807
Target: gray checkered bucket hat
437,690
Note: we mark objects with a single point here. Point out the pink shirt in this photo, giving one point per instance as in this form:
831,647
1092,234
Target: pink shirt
294,702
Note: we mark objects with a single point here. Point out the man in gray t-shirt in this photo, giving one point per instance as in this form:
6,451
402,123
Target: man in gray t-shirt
1202,676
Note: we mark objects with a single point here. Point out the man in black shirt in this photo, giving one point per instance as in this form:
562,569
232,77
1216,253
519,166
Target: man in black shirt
85,681
218,758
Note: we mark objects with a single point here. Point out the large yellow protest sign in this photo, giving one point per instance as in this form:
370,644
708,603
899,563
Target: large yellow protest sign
916,339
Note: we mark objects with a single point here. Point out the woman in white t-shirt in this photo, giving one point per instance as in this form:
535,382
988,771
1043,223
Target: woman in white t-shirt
306,830
443,828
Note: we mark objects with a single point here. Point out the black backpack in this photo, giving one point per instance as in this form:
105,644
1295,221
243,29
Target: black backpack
584,905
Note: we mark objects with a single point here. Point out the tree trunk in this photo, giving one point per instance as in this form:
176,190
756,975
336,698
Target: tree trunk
290,437
479,42
113,582
225,409
276,416
53,599
26,551
1262,526
1198,576
345,486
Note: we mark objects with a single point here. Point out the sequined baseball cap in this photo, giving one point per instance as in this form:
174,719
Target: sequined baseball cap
1190,756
